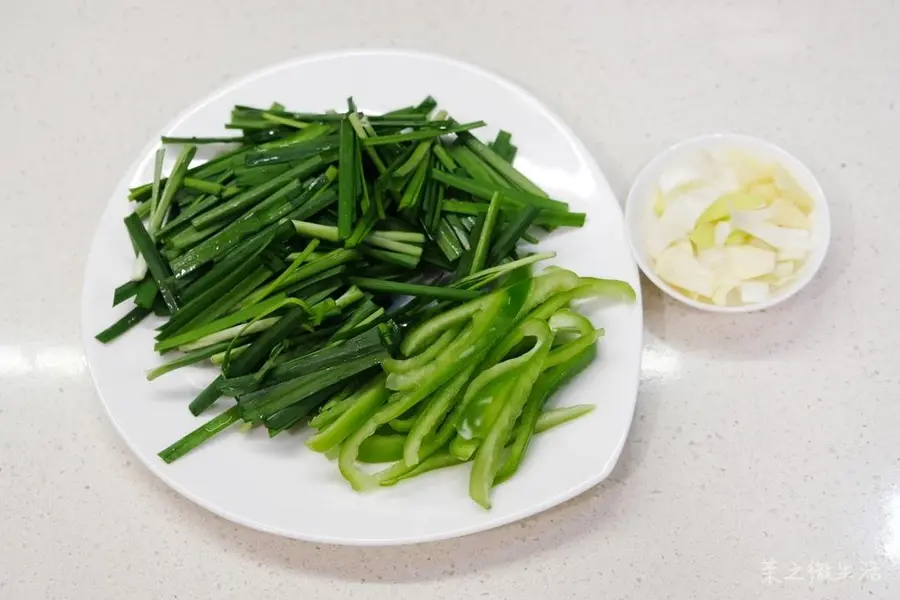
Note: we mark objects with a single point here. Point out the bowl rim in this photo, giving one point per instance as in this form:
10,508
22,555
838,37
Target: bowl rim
788,161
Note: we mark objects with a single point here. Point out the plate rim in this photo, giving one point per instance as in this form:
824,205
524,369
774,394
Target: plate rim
534,509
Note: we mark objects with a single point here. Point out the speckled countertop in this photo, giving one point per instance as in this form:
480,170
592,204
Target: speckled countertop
763,460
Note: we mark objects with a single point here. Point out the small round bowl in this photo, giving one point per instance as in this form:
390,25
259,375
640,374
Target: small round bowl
640,201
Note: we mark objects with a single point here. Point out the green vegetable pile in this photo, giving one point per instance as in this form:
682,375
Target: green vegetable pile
360,274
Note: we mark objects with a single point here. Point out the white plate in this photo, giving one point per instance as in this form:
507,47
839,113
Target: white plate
278,485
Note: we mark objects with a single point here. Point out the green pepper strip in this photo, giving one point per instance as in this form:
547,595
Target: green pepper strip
588,287
551,281
393,365
422,442
493,388
549,419
614,289
370,398
516,296
566,319
547,384
494,368
336,406
458,351
432,328
554,417
469,353
403,424
479,415
492,316
433,441
439,460
548,284
563,363
424,431
487,457
429,418
382,448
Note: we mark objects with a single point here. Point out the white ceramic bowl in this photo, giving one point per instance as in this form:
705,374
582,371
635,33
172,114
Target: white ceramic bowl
640,201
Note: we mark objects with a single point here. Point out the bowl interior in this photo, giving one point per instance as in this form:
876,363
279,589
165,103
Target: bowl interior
638,211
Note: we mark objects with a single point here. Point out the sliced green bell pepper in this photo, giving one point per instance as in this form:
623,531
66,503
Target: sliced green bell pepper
369,399
550,381
488,456
490,318
441,459
427,423
381,448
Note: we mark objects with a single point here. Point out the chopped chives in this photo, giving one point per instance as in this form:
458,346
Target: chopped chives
146,293
250,197
157,267
512,231
186,359
134,316
173,183
421,134
201,434
413,289
487,230
125,291
157,176
484,191
202,140
348,180
502,166
274,118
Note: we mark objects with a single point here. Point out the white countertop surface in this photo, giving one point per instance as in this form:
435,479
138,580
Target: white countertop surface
763,459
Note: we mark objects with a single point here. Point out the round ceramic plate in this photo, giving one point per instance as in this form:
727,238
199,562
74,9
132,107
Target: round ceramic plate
279,485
